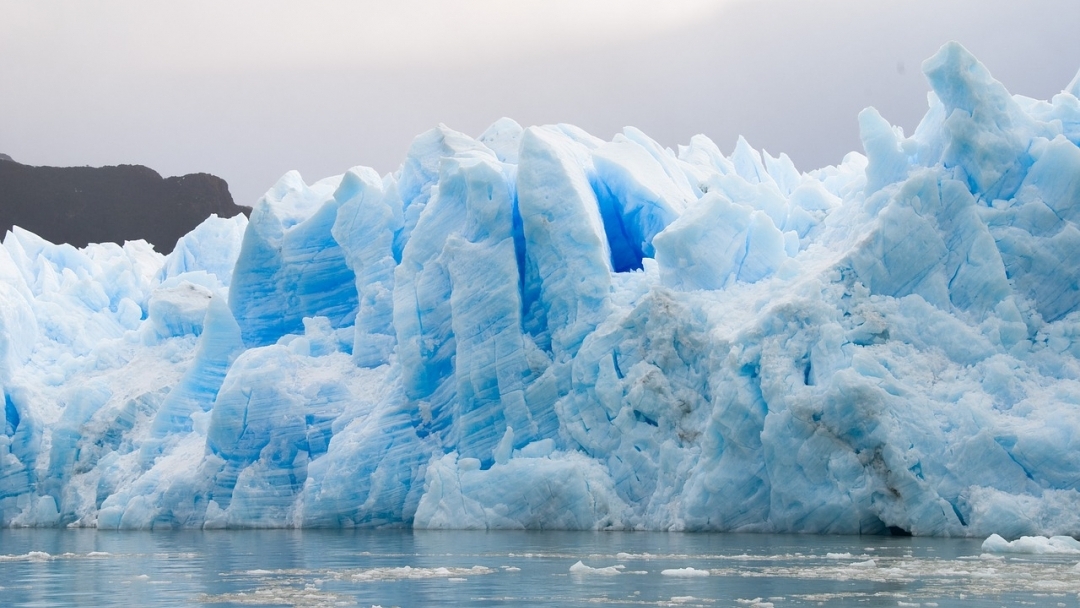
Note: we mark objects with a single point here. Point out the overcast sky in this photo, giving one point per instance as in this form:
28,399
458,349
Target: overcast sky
248,89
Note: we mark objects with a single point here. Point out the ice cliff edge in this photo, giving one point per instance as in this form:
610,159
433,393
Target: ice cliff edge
540,329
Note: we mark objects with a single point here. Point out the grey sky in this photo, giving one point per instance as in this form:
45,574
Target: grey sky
250,89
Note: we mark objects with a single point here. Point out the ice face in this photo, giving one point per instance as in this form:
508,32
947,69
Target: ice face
289,265
540,329
368,217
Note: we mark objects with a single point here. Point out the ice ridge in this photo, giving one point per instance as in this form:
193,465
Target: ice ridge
540,329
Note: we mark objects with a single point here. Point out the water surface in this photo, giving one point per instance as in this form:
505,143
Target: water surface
427,568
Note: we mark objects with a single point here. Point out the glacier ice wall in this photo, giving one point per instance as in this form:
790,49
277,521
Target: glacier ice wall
540,329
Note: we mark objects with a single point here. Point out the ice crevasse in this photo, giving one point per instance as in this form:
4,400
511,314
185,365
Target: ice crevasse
539,329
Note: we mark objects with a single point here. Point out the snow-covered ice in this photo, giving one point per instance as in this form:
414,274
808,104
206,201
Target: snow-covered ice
540,329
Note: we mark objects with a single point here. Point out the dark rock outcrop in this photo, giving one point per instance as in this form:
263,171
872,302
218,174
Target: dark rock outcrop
80,205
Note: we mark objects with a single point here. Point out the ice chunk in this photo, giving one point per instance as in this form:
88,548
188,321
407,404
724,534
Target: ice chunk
504,138
581,569
887,162
1038,545
869,563
178,307
565,238
930,240
218,347
368,217
1038,230
747,163
985,132
18,330
290,266
213,246
688,572
371,473
717,242
419,175
565,491
458,295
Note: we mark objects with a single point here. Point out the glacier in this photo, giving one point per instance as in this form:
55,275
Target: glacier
539,329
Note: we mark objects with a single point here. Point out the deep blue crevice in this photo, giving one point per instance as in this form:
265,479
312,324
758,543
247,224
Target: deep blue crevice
533,314
519,246
750,370
398,245
643,418
916,470
626,251
12,416
959,515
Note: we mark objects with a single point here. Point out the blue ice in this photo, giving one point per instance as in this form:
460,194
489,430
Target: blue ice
539,329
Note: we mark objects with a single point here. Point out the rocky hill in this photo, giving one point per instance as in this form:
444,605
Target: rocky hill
81,205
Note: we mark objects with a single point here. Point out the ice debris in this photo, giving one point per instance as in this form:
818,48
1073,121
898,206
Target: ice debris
581,569
540,329
1037,545
688,572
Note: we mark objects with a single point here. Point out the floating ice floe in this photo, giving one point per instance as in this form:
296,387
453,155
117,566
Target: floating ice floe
580,568
1037,545
687,572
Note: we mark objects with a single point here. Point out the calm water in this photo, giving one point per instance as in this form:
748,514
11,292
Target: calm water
405,568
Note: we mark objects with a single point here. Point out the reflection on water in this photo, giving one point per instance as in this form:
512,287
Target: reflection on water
406,568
